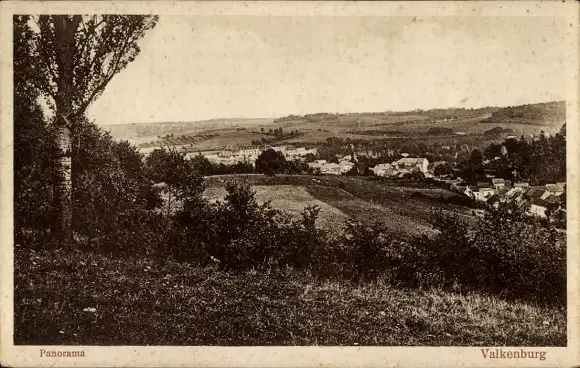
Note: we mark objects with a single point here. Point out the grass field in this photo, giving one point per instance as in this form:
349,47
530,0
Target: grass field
80,298
403,210
368,212
291,199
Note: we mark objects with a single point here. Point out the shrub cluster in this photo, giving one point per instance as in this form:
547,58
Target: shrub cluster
504,254
239,233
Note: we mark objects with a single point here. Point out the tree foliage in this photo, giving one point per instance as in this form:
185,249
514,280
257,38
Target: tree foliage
176,175
113,199
102,46
271,162
76,57
541,160
35,150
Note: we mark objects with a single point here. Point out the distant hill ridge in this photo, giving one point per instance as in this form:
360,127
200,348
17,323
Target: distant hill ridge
536,114
521,114
134,130
550,115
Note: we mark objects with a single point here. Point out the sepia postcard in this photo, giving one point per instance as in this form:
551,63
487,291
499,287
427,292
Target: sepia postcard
289,184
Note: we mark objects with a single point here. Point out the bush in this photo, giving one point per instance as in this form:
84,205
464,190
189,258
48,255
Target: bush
367,247
302,239
519,259
114,203
507,254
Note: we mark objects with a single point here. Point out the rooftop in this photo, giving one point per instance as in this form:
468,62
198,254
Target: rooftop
412,160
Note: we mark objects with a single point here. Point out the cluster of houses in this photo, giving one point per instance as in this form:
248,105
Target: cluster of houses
402,166
395,169
343,166
249,154
539,199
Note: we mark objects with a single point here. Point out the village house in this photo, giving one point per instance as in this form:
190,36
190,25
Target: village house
408,164
248,151
539,207
540,202
453,182
331,169
521,184
317,164
554,200
536,192
514,194
383,170
468,191
536,200
345,166
483,191
556,189
494,200
499,183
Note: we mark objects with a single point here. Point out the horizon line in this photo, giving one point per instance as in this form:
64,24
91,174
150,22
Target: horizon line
333,113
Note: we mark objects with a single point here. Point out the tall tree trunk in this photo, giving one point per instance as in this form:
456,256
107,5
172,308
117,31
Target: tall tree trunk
65,28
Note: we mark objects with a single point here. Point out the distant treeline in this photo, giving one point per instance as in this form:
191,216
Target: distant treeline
378,132
498,131
276,135
308,117
172,140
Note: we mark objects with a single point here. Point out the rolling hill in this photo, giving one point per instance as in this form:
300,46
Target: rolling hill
314,128
405,211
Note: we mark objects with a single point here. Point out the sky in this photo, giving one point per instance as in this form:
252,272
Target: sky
205,67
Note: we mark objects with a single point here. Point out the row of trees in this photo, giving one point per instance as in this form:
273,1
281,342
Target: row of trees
277,134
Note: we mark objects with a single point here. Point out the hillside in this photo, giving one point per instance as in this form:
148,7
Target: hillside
525,119
316,128
144,132
180,304
551,113
403,210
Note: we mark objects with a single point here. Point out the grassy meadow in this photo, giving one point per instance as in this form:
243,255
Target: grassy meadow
81,298
291,199
403,210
